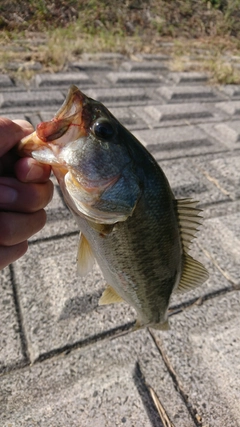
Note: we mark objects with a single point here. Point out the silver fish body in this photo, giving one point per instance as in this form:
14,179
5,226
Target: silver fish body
129,219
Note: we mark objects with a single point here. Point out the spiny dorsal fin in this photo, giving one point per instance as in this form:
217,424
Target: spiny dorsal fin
85,257
110,296
189,220
193,274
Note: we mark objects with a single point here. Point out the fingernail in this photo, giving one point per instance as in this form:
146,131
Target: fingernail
7,194
35,173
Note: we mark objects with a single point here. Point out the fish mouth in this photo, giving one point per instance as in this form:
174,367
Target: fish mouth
71,120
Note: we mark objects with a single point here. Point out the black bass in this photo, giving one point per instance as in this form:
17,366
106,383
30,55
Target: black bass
129,219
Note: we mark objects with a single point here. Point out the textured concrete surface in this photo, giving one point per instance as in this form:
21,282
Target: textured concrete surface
65,361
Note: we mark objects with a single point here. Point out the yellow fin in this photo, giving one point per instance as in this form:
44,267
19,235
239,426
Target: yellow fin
85,257
194,274
110,296
189,220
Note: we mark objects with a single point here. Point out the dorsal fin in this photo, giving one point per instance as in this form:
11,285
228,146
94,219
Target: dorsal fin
110,296
193,272
189,221
85,257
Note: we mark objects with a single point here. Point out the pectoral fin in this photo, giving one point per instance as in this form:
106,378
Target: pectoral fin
85,257
110,296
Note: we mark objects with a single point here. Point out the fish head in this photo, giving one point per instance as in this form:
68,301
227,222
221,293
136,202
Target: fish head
86,147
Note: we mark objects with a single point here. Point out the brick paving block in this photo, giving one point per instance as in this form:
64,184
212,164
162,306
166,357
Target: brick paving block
228,133
90,66
118,95
23,66
5,81
233,91
14,116
103,56
62,79
224,172
182,93
46,116
188,77
133,78
179,141
231,130
220,209
62,308
188,180
176,112
31,99
154,66
10,341
231,107
34,119
153,57
220,238
99,386
127,118
202,348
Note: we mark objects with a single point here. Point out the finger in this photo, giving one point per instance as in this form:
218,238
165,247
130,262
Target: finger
12,253
24,197
11,133
17,227
29,170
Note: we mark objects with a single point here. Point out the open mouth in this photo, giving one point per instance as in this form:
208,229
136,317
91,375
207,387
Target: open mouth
67,125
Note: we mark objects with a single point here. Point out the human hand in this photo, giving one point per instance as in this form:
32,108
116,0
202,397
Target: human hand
25,189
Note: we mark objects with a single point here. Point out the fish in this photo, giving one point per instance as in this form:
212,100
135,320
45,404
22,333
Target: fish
130,222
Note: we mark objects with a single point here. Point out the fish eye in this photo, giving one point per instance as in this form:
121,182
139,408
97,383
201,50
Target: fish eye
103,129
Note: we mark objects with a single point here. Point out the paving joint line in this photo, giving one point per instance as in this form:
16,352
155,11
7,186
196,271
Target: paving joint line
192,411
111,334
179,308
23,339
53,238
145,395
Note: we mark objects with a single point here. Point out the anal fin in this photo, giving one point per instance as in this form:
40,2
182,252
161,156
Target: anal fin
110,296
85,257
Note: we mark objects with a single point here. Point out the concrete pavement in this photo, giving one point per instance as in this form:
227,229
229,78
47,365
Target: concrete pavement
64,361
